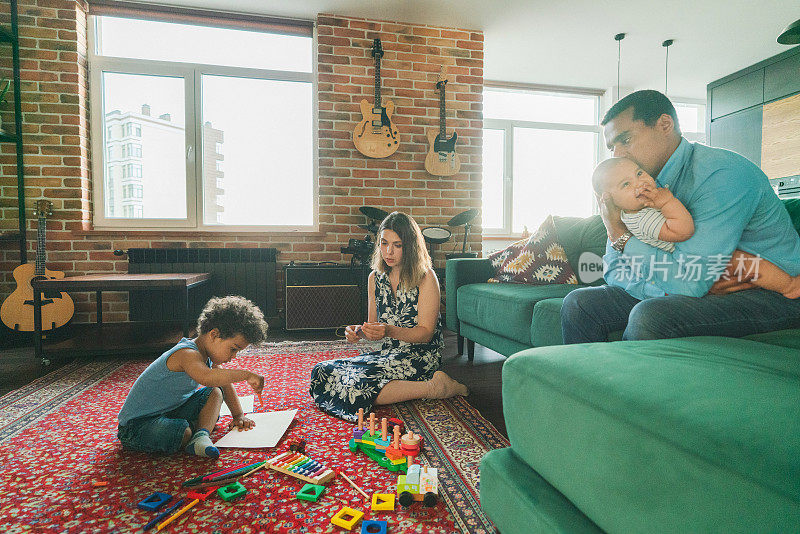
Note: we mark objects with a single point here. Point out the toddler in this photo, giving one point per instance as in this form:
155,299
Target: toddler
655,217
166,412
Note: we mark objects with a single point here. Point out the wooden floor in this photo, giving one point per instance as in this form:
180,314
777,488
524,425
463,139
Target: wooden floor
482,375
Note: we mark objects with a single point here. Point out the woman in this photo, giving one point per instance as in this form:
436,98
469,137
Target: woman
404,311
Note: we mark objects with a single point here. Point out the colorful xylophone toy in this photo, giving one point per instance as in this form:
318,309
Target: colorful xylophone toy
395,454
300,466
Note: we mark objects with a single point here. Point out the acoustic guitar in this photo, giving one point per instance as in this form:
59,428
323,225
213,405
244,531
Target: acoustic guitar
442,159
57,308
375,135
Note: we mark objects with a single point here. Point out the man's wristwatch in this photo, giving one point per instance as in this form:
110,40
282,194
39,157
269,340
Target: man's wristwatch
619,243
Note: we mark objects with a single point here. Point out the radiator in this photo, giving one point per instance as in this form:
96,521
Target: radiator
249,272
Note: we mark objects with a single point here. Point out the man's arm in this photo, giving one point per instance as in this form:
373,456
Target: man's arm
722,206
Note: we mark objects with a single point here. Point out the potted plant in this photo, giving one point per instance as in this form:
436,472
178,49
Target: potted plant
4,86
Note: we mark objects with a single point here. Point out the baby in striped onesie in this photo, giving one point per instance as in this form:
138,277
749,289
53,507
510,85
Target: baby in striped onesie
655,217
652,214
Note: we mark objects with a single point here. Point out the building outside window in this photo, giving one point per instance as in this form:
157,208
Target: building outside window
172,94
539,150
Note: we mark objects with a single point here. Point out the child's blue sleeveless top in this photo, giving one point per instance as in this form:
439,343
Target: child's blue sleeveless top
159,390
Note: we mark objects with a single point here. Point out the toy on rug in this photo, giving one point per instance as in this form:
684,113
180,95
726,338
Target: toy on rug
418,484
346,518
371,526
395,454
301,466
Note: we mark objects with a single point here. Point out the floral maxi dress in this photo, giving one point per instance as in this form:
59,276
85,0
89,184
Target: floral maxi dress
341,387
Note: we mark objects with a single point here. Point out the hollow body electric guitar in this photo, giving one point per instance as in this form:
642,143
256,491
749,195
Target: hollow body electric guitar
375,135
442,159
57,308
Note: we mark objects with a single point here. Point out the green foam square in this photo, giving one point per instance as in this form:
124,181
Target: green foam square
310,492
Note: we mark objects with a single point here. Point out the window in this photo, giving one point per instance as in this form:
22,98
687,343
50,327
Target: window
186,95
539,150
692,120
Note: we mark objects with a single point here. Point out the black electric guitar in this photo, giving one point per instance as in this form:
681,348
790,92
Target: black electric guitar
57,308
375,135
442,159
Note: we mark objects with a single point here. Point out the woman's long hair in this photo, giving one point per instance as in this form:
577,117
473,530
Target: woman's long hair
415,262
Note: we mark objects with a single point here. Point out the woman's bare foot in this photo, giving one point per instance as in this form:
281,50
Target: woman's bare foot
443,387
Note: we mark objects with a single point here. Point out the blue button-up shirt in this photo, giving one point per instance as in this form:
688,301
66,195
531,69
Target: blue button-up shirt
733,206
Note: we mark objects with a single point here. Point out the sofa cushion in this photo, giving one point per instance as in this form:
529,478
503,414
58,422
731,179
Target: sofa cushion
505,309
578,235
793,207
537,260
519,501
693,435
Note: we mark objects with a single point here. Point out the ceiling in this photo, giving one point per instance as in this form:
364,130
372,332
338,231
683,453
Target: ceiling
571,43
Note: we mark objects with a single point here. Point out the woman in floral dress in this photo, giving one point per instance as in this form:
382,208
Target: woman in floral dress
404,312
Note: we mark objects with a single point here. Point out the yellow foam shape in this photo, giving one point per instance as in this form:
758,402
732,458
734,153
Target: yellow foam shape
339,518
382,501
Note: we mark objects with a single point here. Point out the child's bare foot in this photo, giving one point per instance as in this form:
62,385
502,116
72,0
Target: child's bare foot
444,387
793,290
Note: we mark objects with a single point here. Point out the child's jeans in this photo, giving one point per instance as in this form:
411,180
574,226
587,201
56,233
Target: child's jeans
164,433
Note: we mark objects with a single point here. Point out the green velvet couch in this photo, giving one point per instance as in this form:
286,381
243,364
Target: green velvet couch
508,318
698,434
684,435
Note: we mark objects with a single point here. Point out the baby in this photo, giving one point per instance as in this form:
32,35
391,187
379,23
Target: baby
655,217
166,412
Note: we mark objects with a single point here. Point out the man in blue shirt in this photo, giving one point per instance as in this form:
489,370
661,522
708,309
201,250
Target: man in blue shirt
652,294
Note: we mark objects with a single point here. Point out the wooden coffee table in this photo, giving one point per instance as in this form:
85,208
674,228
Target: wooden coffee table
180,283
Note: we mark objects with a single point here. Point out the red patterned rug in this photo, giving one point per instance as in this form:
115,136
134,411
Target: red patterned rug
58,435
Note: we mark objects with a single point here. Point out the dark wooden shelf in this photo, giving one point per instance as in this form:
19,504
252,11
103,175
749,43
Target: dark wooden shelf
115,338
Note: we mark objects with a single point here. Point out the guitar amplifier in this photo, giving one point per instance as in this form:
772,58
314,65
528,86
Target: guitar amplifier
324,296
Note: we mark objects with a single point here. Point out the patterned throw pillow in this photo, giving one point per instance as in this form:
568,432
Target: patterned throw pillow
537,260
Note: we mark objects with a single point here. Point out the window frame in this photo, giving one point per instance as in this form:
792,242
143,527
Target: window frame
193,74
508,126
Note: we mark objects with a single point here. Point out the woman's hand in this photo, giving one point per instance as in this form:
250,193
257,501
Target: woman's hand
612,216
374,331
351,333
242,422
256,382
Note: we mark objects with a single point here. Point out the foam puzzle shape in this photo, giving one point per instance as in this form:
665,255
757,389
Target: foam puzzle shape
370,526
346,518
202,495
310,492
231,492
382,501
154,501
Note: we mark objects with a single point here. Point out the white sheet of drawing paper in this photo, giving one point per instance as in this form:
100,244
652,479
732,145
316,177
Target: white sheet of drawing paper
246,402
270,426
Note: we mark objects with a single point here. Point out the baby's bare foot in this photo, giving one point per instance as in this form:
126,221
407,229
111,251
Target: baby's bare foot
444,387
793,291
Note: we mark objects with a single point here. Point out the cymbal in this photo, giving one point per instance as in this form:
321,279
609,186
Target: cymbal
373,213
463,218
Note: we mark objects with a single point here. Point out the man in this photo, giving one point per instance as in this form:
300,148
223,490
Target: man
652,294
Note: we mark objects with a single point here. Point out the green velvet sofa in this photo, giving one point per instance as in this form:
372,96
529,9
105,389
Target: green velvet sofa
699,434
508,318
684,435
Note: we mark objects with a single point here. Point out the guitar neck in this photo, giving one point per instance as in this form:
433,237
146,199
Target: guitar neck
40,246
442,115
377,81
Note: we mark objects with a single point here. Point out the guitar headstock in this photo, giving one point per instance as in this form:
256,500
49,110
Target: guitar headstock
377,48
442,80
43,209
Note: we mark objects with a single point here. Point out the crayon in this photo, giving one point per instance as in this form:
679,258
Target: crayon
163,514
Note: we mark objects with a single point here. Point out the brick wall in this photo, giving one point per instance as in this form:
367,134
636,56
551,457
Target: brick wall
56,136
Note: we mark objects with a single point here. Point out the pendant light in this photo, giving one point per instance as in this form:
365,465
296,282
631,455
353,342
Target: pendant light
618,38
791,35
666,44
